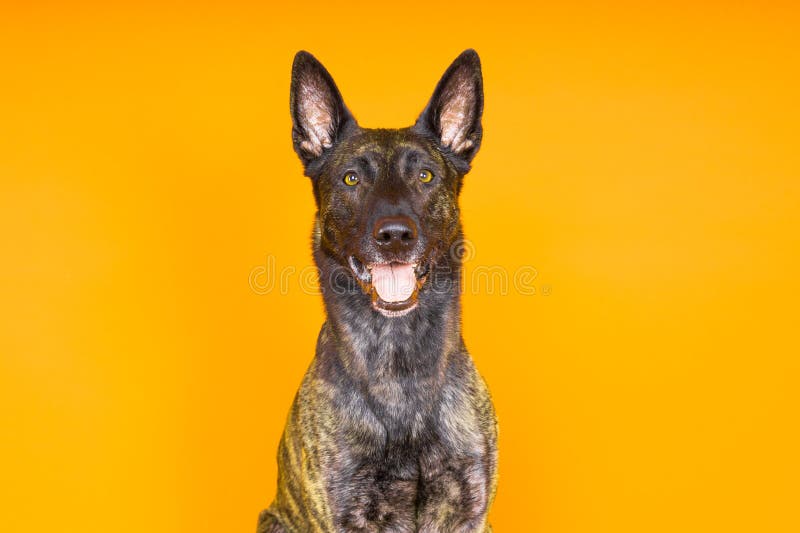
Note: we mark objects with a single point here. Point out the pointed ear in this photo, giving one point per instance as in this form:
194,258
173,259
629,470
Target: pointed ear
319,116
453,115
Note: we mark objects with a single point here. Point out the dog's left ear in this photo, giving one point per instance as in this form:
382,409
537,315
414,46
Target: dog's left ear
453,115
319,116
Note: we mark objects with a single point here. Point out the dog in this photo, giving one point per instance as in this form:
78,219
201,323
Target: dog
392,429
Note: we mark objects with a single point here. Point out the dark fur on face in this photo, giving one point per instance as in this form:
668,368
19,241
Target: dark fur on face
392,428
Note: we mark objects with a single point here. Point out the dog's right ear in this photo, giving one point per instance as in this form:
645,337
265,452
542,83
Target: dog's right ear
319,116
453,114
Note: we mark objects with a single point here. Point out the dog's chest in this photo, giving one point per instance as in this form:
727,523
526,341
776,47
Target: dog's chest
416,457
411,451
409,485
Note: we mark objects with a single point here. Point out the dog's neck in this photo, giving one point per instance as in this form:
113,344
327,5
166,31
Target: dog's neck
374,348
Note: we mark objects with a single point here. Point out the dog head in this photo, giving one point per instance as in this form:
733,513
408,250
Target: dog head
387,199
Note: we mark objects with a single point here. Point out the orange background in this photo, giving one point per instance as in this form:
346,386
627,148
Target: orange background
643,158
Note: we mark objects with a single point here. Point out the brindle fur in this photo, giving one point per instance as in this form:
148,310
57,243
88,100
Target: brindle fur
392,429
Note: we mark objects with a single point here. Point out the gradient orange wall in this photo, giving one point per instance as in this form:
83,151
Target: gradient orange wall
642,158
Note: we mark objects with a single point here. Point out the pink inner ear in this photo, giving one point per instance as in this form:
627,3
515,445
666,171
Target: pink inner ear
456,116
316,118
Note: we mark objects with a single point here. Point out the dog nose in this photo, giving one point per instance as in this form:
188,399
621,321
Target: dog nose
395,233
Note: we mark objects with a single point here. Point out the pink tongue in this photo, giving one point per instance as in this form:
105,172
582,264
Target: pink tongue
395,282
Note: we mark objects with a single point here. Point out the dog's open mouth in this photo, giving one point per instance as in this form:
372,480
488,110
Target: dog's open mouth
393,287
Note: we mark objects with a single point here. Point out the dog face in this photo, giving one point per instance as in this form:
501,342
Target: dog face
387,199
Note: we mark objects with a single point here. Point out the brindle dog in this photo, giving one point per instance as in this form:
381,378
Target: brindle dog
392,429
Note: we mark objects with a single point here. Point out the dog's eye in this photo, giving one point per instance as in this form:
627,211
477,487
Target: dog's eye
350,179
425,175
